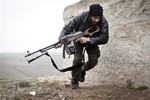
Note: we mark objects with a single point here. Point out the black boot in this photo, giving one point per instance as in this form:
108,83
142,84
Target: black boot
74,84
82,76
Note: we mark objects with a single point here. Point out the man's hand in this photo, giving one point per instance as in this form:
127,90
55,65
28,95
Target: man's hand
83,40
58,45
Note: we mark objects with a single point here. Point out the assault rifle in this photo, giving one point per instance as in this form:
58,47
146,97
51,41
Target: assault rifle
68,43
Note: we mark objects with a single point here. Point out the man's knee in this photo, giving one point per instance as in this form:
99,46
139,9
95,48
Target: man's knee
93,58
91,63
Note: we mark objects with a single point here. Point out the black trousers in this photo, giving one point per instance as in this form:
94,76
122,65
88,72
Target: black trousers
93,55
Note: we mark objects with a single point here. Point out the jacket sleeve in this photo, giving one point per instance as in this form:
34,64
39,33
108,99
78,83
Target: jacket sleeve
70,27
103,36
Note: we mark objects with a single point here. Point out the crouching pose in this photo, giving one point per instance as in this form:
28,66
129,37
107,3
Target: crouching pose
81,22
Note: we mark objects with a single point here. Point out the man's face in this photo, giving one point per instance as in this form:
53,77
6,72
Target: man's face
95,20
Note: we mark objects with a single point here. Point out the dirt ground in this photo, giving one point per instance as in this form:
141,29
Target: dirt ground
57,90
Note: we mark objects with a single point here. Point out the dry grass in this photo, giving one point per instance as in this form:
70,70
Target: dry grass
55,90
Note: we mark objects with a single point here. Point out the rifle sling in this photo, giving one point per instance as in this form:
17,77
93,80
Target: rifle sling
64,46
75,66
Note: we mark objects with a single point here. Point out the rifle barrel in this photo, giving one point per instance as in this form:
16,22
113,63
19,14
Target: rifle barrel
41,50
29,61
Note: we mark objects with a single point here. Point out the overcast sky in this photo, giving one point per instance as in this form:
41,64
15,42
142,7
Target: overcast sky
30,24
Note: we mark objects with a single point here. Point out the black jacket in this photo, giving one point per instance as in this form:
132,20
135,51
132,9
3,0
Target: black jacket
80,23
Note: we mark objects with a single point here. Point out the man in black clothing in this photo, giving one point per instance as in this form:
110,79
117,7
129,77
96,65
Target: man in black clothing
81,22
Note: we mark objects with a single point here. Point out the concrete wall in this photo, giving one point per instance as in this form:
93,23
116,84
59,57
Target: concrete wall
127,54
